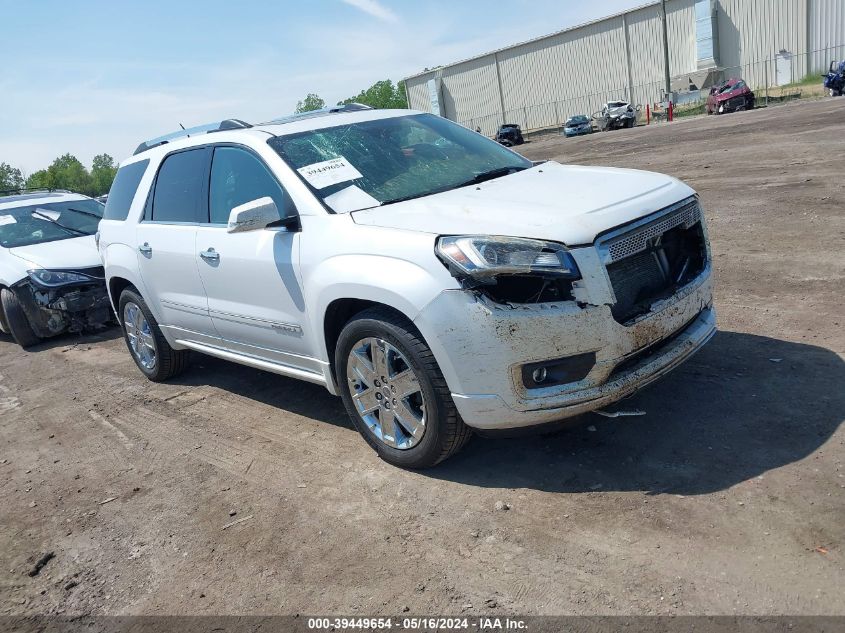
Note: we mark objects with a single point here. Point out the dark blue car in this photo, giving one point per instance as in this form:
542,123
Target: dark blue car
577,125
834,80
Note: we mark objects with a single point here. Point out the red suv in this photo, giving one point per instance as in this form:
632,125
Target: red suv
731,96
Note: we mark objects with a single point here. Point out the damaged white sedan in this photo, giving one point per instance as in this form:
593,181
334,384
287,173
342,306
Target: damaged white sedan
435,280
51,276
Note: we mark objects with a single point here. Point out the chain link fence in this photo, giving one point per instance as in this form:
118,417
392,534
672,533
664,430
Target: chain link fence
782,77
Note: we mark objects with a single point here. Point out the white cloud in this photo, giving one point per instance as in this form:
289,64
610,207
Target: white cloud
374,8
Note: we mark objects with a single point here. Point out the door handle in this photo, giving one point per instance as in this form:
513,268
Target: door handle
145,248
210,255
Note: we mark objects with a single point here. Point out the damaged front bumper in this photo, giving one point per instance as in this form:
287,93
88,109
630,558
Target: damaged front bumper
69,308
484,362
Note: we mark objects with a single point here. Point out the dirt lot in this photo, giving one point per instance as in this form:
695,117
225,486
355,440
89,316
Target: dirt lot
728,497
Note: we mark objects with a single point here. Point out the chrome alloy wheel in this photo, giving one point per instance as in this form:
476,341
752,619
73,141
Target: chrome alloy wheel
386,392
140,336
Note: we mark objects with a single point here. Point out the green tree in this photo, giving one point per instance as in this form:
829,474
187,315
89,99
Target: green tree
311,102
103,171
39,180
10,177
67,172
382,94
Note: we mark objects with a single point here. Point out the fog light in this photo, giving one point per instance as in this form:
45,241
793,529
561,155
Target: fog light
539,374
558,371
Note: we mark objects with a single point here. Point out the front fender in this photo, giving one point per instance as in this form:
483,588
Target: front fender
10,275
400,284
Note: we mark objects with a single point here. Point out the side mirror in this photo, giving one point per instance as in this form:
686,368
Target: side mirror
253,215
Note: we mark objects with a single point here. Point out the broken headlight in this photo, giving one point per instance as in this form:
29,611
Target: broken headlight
484,257
54,278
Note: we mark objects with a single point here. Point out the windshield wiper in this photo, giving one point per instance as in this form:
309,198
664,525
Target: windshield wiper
477,178
83,212
490,175
59,224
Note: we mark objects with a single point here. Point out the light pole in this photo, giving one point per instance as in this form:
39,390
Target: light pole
667,80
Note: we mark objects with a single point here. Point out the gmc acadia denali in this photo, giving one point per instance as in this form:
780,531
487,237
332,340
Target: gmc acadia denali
434,279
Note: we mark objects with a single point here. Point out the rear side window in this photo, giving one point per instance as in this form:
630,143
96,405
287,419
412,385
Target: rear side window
180,191
123,190
237,176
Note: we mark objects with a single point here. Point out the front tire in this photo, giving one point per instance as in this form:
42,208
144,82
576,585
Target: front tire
147,345
394,391
16,320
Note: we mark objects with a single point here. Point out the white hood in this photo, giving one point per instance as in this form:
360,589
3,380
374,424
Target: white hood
75,252
551,201
618,111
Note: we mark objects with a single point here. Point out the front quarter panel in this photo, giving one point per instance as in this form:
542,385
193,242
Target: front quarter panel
342,260
12,269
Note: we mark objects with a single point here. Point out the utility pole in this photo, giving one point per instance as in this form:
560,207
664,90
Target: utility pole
668,81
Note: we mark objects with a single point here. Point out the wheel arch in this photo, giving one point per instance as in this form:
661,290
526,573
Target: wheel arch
116,286
341,311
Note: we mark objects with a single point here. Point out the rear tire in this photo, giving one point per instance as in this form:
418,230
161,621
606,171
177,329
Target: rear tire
147,345
443,433
16,320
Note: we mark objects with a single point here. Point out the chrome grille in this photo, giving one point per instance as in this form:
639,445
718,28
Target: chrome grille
636,240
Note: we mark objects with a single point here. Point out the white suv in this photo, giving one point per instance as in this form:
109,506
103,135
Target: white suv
51,276
435,280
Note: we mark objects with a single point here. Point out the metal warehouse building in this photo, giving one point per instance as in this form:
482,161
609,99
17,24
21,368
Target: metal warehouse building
541,82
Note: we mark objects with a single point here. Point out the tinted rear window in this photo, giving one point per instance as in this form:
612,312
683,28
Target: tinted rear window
123,190
179,187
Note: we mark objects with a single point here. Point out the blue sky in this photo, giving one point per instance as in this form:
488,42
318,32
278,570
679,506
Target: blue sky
95,77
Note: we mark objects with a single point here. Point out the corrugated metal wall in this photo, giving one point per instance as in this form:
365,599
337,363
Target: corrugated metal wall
470,87
826,30
418,92
575,71
542,73
645,38
751,32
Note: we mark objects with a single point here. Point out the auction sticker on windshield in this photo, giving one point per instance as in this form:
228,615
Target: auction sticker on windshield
7,219
329,172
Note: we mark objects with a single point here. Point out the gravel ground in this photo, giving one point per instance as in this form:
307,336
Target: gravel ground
726,498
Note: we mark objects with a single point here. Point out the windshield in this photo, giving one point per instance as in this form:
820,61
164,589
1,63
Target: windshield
577,120
372,163
48,222
616,104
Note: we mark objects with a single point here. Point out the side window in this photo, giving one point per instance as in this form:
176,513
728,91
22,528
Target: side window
238,176
123,190
179,191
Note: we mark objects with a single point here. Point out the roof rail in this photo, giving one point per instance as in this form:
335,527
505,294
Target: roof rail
338,109
220,126
350,107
